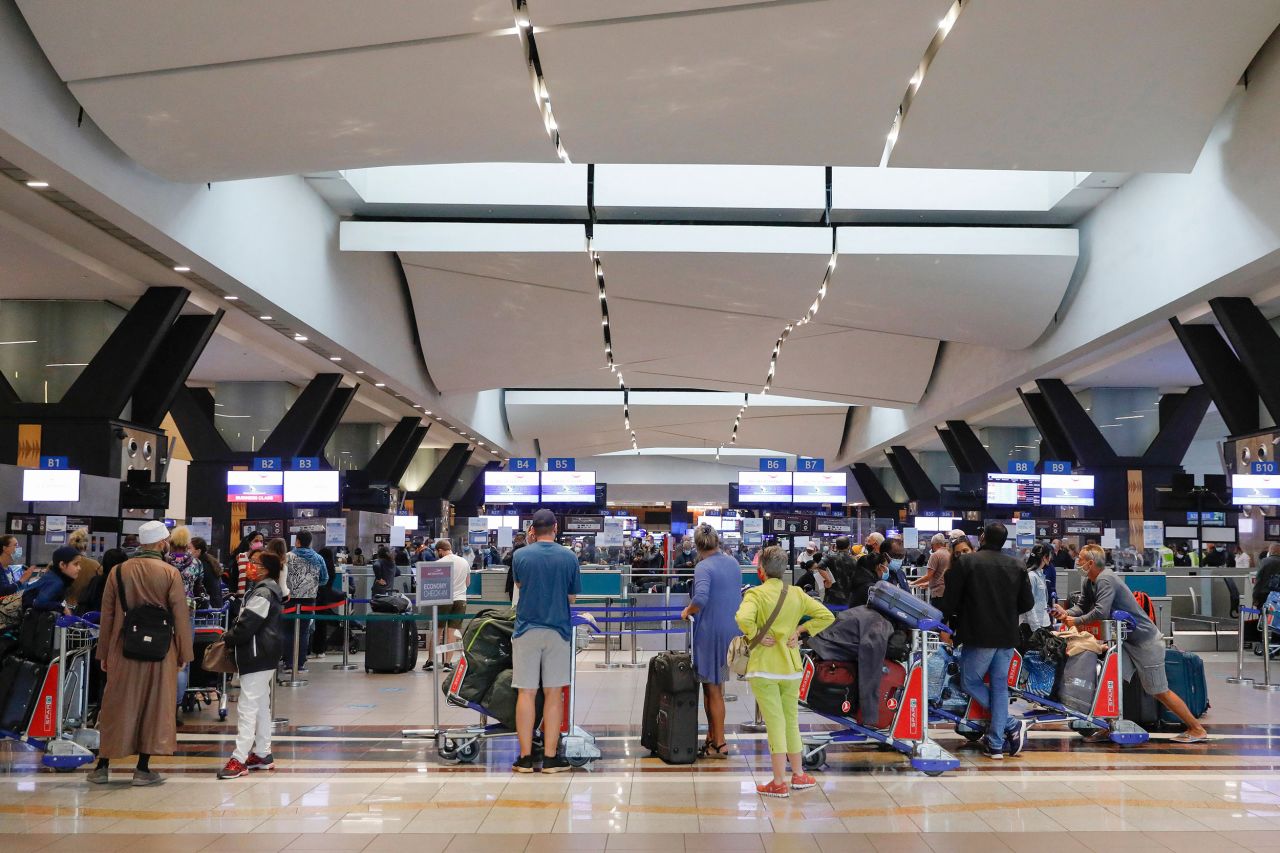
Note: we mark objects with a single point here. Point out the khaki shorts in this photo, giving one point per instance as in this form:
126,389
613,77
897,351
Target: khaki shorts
456,610
540,657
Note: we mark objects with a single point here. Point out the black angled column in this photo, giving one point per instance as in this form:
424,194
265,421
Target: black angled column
289,436
1053,440
872,489
327,423
913,477
1180,418
1087,442
1256,344
1233,391
977,458
383,462
172,363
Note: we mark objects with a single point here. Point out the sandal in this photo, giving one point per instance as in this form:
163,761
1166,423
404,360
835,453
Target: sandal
1185,738
714,750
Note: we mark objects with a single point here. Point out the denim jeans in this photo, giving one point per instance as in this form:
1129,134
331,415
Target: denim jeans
976,662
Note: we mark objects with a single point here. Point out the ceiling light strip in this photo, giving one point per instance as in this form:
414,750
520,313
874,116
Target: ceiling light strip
814,306
524,28
945,25
598,269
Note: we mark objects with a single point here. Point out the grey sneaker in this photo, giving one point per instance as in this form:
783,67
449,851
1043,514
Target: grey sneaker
143,779
98,775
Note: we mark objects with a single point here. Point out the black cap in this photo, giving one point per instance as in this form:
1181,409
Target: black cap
543,519
65,554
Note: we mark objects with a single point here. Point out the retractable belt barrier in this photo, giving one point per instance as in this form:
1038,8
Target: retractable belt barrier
1266,624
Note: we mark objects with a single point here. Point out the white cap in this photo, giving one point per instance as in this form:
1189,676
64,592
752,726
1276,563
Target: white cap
152,532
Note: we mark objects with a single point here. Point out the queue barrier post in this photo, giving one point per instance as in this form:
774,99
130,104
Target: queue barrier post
608,637
1265,625
757,722
1239,677
346,665
635,638
294,664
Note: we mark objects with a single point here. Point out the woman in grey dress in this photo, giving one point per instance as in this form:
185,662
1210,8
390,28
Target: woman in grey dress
717,593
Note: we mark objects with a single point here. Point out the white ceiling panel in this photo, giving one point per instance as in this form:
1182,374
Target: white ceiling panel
739,193
340,110
991,286
791,83
109,37
554,12
1092,85
487,330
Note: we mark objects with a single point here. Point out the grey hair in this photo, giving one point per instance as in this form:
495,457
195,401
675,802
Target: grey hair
938,539
706,538
1274,550
876,539
773,560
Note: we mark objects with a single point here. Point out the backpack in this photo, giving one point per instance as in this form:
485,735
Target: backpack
1144,601
148,628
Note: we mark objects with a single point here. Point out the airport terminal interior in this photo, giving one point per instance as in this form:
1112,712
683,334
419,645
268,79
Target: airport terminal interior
719,377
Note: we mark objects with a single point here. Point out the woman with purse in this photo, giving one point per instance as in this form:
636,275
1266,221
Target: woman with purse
255,642
771,616
717,595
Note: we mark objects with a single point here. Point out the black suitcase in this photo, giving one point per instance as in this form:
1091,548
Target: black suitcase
669,727
36,636
1139,706
199,677
390,646
21,681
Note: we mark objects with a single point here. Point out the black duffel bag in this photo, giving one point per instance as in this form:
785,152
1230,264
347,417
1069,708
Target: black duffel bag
148,628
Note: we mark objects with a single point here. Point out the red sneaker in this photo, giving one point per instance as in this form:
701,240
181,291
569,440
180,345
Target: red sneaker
802,781
233,770
260,762
774,789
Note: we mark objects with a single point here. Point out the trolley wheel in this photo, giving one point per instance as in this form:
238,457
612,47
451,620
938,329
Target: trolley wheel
448,750
814,760
63,769
933,772
578,761
971,735
1083,728
222,713
468,752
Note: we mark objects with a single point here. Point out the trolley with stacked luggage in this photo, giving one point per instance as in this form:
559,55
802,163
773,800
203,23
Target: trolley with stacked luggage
204,687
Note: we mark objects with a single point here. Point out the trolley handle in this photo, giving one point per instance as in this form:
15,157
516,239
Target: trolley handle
933,625
1125,618
89,620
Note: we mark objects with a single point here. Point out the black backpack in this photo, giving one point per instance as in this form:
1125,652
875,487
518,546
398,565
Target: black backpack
148,628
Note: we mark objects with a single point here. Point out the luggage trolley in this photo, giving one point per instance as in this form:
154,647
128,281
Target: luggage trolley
909,731
58,722
209,625
579,746
1106,712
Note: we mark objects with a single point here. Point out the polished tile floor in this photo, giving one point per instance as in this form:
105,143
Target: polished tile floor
348,780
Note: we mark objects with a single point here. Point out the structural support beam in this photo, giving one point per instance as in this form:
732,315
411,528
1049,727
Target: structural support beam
1180,418
8,397
192,410
914,479
1256,344
289,436
440,483
327,423
977,459
105,386
953,450
1232,389
167,372
473,497
1087,442
406,454
383,462
1053,440
872,489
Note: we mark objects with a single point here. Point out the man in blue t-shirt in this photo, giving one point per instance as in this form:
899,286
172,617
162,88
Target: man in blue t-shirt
546,575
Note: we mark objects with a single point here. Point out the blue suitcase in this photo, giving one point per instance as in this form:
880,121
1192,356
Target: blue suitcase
1185,672
900,605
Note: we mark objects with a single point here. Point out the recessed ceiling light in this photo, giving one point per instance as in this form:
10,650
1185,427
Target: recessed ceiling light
359,373
7,343
426,411
335,358
181,269
299,338
69,364
232,298
379,385
266,317
38,185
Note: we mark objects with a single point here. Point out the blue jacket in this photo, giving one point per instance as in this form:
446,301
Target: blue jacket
47,592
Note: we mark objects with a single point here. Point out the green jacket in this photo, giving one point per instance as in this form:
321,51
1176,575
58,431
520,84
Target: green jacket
757,604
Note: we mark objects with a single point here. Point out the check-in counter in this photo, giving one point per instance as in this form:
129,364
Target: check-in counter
1154,584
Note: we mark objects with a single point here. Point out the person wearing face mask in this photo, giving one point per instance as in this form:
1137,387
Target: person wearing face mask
249,545
11,553
1103,594
1038,616
897,557
686,557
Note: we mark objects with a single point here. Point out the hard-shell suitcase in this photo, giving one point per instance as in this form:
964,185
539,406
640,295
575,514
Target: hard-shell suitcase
900,605
1185,672
36,636
22,680
893,679
391,646
669,726
833,687
1079,682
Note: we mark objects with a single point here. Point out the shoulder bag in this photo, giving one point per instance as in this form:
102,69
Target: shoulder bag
740,648
218,658
148,628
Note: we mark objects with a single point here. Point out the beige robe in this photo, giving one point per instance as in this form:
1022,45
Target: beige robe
140,705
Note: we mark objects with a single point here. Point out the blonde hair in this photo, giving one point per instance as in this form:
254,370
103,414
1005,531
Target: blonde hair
706,538
78,538
180,538
1094,554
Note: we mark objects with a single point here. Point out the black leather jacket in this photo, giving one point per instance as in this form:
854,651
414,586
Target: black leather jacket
255,637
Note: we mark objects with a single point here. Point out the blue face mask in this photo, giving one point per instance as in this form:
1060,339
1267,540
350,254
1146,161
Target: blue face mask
896,565
17,553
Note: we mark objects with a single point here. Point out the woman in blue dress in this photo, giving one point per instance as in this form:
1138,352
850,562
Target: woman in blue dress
717,594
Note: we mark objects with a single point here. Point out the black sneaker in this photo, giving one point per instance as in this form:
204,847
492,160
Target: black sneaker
555,764
428,666
523,765
993,754
448,667
1015,739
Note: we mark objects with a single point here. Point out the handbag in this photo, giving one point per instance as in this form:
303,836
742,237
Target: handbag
740,648
148,628
218,658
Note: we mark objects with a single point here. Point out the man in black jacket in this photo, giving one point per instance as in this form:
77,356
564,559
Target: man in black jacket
985,593
842,568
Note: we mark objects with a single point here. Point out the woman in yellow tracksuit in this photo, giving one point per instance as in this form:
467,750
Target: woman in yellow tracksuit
774,667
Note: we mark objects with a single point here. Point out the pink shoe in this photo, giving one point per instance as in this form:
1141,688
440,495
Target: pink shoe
774,789
802,781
